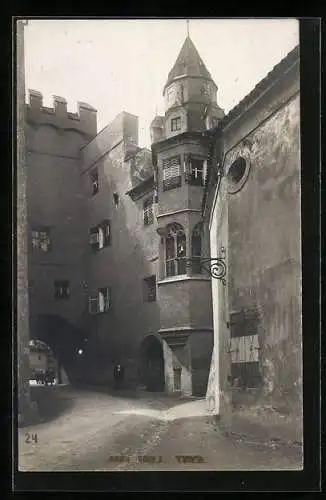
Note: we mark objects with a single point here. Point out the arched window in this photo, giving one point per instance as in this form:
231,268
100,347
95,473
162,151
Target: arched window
175,250
196,248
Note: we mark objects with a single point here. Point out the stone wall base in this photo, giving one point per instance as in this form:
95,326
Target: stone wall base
28,412
263,424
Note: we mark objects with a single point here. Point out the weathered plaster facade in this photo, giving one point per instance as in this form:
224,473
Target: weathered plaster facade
195,326
258,221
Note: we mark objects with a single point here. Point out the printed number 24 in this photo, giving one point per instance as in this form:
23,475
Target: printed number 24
30,438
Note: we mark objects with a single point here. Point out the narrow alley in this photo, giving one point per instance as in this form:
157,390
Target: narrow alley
101,432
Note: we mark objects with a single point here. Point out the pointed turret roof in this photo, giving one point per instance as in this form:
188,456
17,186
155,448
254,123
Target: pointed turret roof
188,63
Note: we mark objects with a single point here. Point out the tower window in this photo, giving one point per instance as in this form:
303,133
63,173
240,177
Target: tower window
61,289
171,173
150,289
175,251
41,240
176,124
94,181
196,248
196,172
148,212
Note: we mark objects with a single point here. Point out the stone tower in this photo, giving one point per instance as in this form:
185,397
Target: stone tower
180,150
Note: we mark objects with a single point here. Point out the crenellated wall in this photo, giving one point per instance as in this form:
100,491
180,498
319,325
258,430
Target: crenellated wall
84,121
57,204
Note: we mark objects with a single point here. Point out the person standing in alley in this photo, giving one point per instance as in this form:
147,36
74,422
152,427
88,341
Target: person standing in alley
118,376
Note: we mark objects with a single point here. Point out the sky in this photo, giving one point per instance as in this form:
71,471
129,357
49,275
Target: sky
122,65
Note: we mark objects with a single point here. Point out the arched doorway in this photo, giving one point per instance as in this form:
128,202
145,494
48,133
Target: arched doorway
63,339
152,361
44,366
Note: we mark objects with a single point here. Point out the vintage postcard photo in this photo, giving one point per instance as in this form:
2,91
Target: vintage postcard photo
159,245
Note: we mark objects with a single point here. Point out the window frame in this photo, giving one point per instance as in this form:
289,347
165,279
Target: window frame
171,182
176,124
196,257
94,177
95,232
194,179
149,284
179,266
58,289
148,211
98,297
40,240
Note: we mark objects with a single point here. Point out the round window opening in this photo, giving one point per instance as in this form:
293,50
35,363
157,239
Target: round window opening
237,174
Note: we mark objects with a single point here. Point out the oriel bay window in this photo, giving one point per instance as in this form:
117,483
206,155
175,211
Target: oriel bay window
100,301
196,249
176,124
100,236
195,172
175,250
171,173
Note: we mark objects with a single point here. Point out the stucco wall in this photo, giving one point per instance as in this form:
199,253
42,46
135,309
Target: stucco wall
217,389
264,252
122,266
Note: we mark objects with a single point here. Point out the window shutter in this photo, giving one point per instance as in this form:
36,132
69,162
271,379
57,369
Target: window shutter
107,230
108,299
94,237
93,303
100,237
171,173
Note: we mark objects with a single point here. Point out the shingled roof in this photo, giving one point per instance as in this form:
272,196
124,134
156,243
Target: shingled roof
188,63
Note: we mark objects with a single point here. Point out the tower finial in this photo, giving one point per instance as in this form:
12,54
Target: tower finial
187,27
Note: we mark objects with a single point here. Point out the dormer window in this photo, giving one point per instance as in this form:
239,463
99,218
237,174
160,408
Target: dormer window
176,124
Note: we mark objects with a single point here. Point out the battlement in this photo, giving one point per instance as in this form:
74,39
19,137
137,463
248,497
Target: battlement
85,120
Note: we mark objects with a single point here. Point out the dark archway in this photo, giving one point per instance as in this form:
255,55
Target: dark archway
65,341
152,364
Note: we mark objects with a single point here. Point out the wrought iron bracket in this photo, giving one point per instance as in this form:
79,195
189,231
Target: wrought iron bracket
215,266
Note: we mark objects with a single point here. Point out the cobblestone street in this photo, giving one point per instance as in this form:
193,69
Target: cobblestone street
101,432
